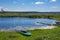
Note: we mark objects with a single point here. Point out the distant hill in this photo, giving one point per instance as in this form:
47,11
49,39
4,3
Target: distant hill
31,12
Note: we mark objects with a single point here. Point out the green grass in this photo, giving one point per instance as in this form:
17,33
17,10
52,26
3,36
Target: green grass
43,34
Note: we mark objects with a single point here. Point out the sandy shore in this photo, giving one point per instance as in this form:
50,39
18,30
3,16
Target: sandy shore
28,28
46,27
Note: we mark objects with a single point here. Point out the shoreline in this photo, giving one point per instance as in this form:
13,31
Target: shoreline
46,27
27,28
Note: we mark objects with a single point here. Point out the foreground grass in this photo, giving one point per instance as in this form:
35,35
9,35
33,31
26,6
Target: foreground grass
42,34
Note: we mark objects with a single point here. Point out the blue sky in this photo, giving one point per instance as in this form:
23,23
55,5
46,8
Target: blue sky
30,5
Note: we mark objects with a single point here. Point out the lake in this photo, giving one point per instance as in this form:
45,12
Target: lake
14,22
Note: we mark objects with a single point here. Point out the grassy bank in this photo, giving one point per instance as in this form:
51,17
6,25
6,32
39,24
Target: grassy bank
49,34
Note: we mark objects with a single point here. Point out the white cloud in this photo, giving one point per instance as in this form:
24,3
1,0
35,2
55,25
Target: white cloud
39,2
5,9
53,0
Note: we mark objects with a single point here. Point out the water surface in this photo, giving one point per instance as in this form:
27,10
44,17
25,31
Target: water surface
6,23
